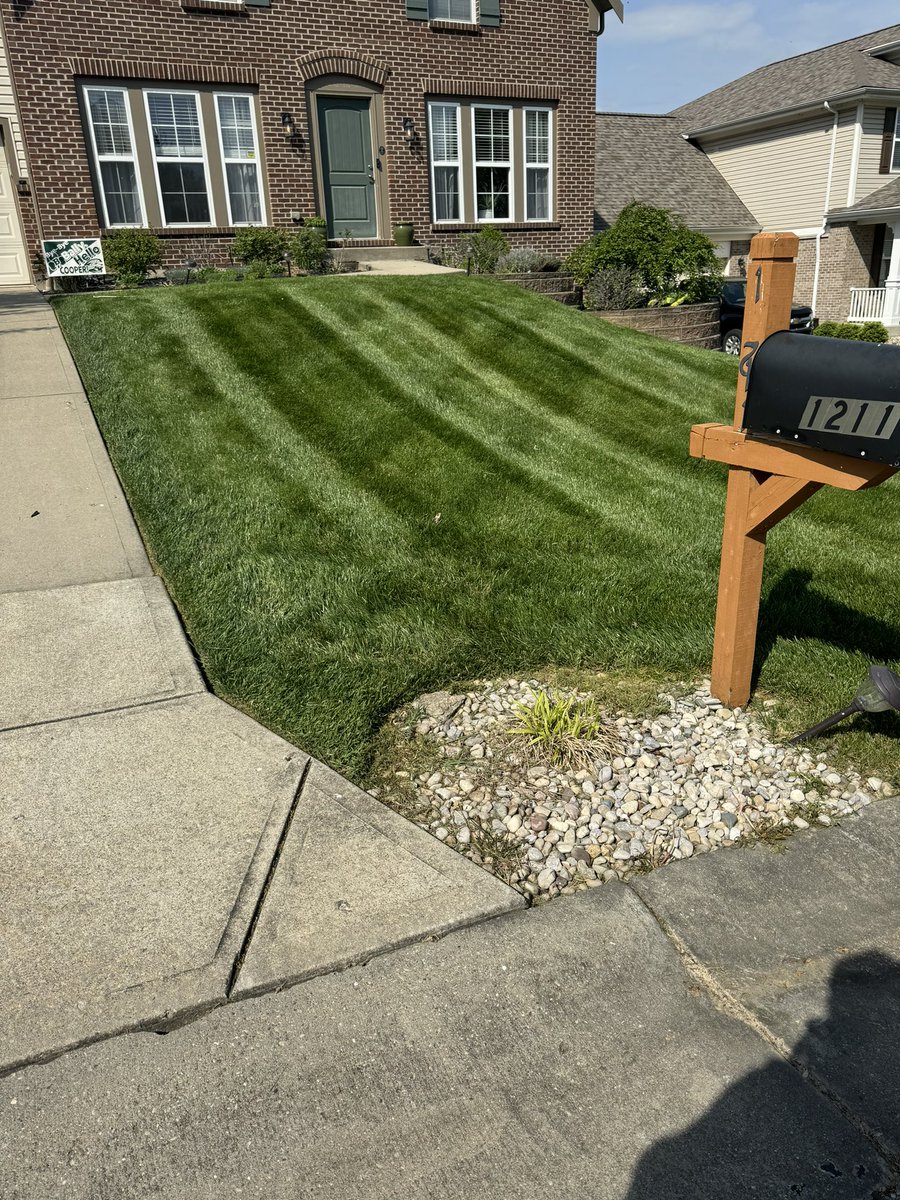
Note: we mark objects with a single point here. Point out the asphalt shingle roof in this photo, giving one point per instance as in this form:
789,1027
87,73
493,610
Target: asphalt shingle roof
886,197
806,78
640,157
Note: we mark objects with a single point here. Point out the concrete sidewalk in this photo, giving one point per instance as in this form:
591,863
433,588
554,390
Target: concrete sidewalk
741,1046
143,821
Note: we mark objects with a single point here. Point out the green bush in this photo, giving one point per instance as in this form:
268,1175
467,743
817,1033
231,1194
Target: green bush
260,268
130,254
316,223
673,263
871,331
259,245
308,248
483,250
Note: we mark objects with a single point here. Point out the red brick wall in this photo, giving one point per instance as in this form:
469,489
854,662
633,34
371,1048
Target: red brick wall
543,44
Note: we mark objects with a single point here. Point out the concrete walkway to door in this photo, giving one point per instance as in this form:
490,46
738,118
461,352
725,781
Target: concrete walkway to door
144,820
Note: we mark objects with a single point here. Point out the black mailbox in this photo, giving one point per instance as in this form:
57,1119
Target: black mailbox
825,392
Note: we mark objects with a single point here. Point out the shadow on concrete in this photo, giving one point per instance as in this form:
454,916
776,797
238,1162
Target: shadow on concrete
742,1146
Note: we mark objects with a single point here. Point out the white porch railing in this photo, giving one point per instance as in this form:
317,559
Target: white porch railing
867,304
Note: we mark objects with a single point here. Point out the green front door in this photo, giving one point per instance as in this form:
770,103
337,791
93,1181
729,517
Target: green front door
345,129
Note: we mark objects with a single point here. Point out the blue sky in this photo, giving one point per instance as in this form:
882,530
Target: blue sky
667,53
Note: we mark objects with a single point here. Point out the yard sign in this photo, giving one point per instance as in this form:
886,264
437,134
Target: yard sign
74,256
766,482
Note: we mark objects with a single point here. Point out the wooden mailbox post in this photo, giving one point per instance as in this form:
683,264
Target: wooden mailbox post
766,481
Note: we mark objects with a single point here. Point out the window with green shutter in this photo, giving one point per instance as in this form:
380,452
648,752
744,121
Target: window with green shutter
489,12
417,10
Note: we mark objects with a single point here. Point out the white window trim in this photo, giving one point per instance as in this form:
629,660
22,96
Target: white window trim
472,18
895,152
123,91
444,162
259,177
551,174
509,164
164,91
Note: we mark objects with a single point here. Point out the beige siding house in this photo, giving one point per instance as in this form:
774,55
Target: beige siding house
13,173
812,145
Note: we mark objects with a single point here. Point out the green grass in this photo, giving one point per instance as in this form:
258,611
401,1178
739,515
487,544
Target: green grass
357,490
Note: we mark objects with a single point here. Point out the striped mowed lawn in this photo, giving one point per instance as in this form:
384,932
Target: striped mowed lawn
360,489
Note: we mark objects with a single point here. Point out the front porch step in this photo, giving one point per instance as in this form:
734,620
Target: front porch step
382,253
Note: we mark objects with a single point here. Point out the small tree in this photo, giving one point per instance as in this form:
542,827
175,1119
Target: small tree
670,260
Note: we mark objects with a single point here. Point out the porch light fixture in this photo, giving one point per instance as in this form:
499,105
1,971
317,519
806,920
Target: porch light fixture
288,126
409,129
878,692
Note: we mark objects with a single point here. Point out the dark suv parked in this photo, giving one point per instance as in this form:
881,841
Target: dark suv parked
733,296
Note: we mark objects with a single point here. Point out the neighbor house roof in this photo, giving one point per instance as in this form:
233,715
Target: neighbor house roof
884,199
817,76
645,158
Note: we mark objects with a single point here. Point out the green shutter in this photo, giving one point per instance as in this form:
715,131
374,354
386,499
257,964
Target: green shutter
417,10
257,3
489,12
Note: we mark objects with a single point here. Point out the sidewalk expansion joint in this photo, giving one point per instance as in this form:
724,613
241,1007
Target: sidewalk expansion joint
732,1007
267,882
152,702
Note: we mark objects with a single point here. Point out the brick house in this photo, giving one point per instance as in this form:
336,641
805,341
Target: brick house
193,117
810,144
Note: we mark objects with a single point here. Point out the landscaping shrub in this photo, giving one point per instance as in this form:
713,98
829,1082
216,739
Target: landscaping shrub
672,262
614,288
259,245
483,250
130,254
308,248
316,222
522,259
259,268
871,331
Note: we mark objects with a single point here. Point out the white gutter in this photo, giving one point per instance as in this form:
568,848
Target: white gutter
834,129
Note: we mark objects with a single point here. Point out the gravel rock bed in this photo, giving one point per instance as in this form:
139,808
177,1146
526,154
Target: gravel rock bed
699,777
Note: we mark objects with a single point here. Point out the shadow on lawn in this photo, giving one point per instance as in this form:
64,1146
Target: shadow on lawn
771,1134
794,610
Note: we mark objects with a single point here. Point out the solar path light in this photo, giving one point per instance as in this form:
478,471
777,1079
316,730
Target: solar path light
878,692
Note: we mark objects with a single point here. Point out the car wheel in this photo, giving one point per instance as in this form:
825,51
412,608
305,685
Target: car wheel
731,342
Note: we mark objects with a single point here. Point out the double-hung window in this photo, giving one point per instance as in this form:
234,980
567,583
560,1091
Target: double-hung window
538,169
240,158
445,161
452,10
112,139
493,163
174,119
895,161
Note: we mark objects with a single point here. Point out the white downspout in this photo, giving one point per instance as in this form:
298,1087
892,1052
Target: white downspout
819,235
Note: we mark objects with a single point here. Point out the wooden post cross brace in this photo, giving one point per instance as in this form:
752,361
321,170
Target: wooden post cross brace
766,482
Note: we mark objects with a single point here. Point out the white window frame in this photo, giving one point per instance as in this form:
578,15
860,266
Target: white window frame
895,152
98,159
446,162
164,91
510,164
548,165
259,175
469,20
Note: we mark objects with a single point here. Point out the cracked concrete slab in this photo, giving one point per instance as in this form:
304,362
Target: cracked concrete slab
133,849
558,1051
355,880
63,517
77,650
808,940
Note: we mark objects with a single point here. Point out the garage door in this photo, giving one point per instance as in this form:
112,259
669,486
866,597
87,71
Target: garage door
13,263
